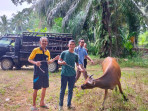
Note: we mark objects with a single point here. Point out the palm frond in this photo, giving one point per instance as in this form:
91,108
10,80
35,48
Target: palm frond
59,10
81,18
142,10
87,9
4,24
42,6
16,2
70,13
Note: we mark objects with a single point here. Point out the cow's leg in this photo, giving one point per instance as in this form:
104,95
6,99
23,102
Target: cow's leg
105,96
120,89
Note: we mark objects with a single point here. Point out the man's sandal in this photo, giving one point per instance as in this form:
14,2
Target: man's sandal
44,106
34,109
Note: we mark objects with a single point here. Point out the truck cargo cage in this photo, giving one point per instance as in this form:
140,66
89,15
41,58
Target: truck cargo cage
57,42
12,35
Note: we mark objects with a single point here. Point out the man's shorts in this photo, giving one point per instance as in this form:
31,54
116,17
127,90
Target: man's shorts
40,81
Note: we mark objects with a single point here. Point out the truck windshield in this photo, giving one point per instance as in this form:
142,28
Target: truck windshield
5,42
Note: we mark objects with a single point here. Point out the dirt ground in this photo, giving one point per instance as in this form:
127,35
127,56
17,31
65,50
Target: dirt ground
16,91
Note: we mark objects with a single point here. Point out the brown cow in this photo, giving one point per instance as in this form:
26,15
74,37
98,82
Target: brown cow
111,78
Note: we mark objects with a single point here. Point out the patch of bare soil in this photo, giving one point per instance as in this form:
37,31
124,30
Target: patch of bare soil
16,91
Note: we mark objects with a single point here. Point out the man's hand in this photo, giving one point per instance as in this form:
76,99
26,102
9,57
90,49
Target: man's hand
38,63
80,68
57,57
92,61
63,63
52,60
87,57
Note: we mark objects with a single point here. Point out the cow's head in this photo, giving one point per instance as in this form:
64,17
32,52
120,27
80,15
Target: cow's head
89,83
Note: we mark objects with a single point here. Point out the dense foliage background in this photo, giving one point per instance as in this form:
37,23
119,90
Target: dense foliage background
110,27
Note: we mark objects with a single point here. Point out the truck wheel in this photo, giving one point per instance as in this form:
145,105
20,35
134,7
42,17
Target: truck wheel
53,67
6,64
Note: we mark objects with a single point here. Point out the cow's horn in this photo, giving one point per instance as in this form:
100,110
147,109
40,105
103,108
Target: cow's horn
91,76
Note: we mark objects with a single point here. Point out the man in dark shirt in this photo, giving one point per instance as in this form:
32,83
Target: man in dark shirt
40,57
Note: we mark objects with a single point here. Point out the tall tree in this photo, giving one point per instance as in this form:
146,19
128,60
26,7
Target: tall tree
20,21
106,29
66,9
16,2
103,21
4,25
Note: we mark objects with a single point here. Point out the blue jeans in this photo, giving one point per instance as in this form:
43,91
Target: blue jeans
71,81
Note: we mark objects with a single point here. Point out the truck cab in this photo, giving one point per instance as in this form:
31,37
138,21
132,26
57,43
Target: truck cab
6,44
7,50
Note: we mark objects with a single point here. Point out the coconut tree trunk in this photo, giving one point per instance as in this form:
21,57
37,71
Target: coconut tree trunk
106,29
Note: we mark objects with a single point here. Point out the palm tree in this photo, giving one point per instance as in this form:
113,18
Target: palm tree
4,25
143,9
66,9
20,21
78,15
99,20
16,2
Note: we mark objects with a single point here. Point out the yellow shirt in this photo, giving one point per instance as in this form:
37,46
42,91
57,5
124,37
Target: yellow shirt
38,55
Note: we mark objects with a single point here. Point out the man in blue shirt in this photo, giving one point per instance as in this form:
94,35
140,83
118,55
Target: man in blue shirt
82,54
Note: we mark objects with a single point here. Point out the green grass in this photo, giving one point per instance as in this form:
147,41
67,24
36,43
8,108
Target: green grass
138,61
134,62
10,75
18,87
14,107
94,57
144,80
2,91
20,83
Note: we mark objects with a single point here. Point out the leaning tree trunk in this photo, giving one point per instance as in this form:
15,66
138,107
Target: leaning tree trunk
106,30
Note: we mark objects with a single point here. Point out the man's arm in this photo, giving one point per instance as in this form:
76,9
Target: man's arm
32,56
61,62
79,67
52,60
87,57
37,63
